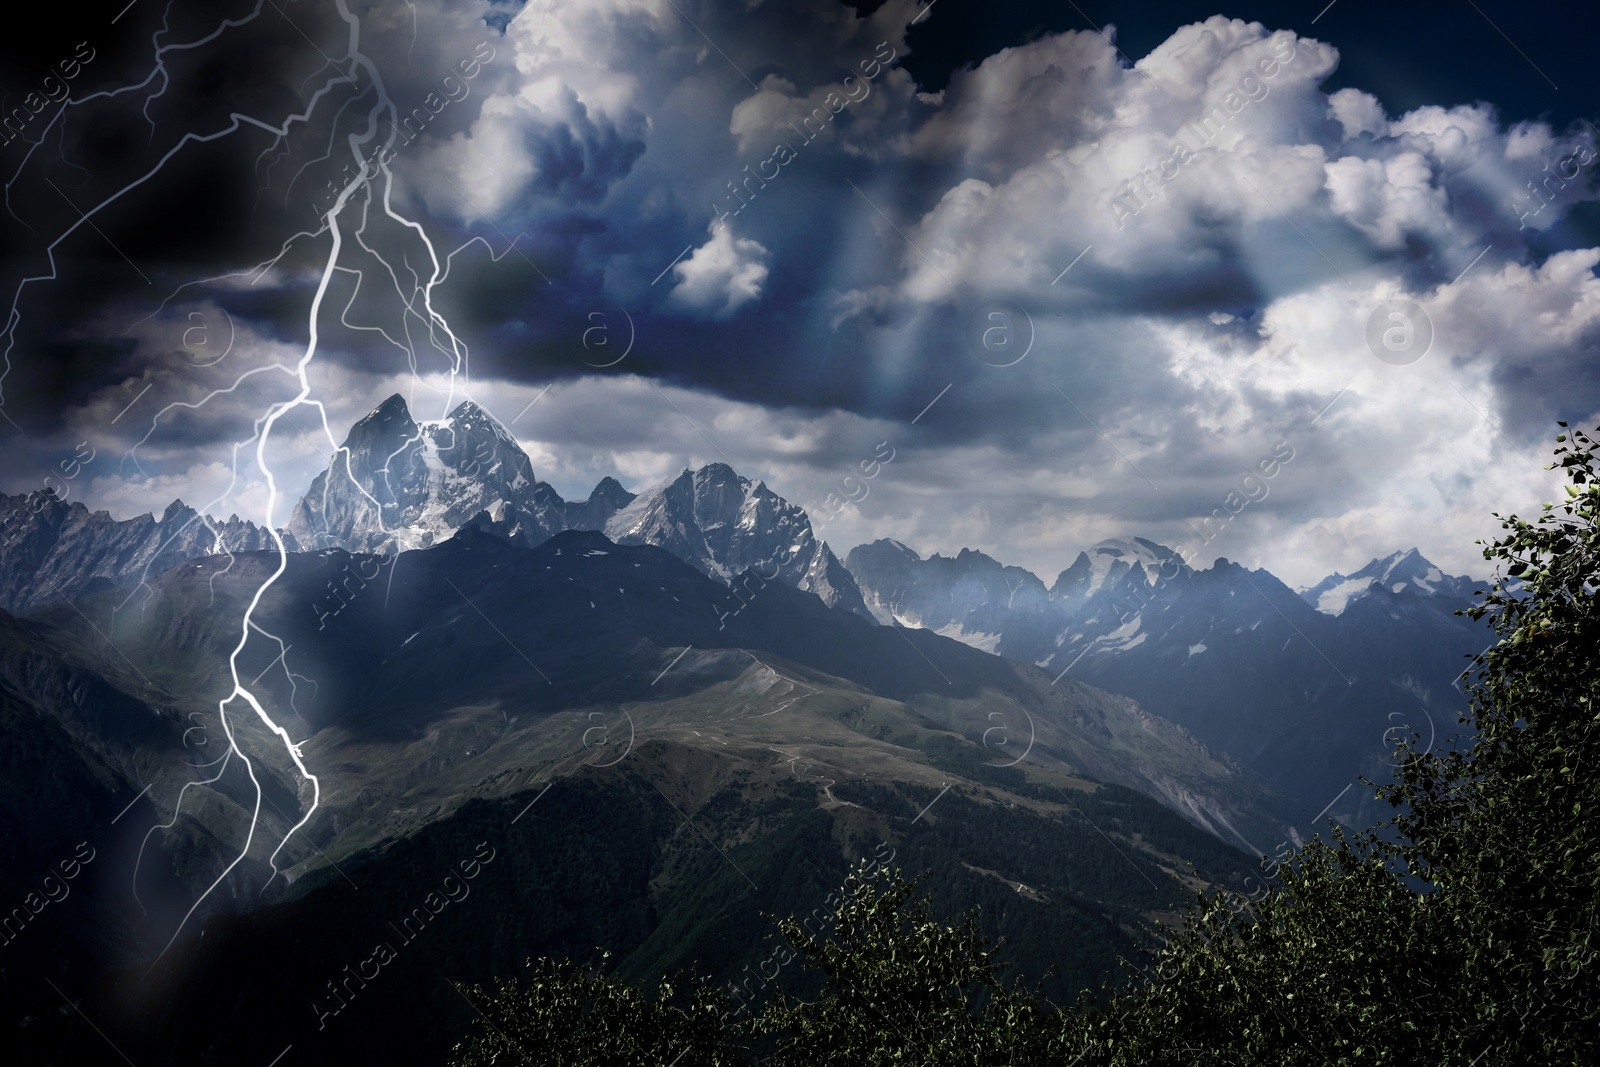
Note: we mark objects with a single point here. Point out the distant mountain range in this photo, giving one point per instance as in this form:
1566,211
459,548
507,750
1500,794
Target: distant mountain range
395,485
1401,574
1305,688
50,549
1308,690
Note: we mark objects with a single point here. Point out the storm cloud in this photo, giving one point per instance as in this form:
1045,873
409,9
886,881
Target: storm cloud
1081,292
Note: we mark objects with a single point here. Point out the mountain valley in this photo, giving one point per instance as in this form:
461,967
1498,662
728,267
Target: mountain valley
665,714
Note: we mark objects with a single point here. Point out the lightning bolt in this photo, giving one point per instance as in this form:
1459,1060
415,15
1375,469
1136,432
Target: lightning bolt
416,298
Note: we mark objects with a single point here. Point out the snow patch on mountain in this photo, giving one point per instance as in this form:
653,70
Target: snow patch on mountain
1124,637
1333,601
982,641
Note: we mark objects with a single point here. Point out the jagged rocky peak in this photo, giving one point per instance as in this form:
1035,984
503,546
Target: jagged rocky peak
900,547
1412,568
50,549
605,500
832,581
391,419
719,521
380,435
468,414
1404,573
608,488
471,444
882,553
1110,561
966,596
470,440
724,524
397,484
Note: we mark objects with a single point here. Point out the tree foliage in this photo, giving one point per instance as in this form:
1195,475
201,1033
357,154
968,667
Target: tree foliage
562,1015
901,986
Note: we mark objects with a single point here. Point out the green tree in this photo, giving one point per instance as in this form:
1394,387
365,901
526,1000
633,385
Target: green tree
565,1016
900,987
1461,932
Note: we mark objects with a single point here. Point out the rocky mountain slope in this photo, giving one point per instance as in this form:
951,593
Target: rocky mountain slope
1308,690
50,548
658,758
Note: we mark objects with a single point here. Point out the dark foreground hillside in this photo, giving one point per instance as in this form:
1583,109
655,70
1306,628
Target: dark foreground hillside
359,968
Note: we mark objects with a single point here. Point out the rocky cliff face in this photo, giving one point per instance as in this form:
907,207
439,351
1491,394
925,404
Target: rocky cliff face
395,484
51,549
724,524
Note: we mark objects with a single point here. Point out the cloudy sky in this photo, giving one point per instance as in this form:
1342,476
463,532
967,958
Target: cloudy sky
1082,266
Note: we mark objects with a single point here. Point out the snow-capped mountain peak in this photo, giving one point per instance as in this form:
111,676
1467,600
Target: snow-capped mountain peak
1403,573
1109,561
725,524
396,484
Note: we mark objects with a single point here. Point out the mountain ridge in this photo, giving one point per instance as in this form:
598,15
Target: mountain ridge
482,664
1231,654
1250,666
395,484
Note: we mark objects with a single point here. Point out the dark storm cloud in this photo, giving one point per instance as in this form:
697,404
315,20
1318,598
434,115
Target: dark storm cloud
200,147
776,213
894,219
